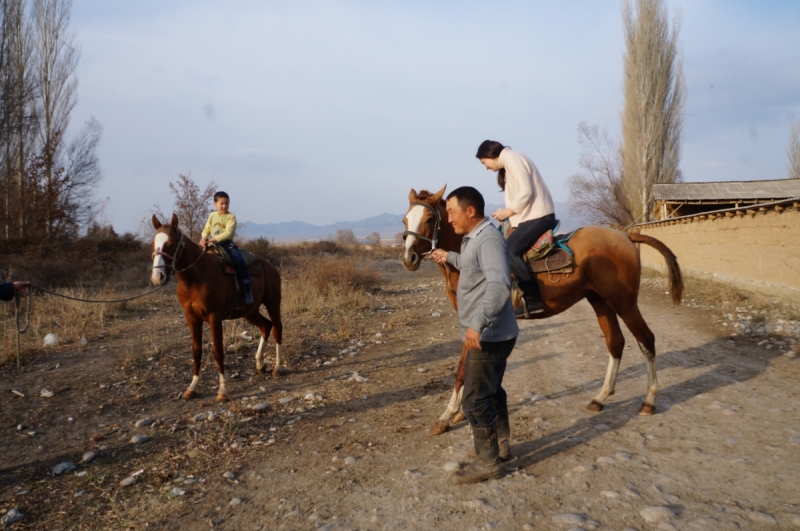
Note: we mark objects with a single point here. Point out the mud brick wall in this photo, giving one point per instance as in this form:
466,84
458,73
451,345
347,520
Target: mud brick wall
756,252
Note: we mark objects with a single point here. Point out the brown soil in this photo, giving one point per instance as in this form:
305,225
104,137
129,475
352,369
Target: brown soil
722,452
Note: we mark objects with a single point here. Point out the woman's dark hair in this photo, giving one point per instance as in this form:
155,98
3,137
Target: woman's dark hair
221,194
491,149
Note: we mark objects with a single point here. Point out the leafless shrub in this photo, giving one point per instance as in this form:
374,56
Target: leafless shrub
597,194
373,239
192,205
345,237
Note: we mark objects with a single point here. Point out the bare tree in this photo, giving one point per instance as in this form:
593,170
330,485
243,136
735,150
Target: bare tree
652,118
191,204
373,239
793,150
345,237
597,194
56,60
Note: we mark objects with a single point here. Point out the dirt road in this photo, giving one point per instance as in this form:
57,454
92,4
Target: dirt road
722,452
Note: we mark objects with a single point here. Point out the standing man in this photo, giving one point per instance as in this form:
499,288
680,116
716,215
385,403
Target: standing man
490,330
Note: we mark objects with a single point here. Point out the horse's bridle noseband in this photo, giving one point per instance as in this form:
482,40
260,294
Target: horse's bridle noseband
437,216
174,258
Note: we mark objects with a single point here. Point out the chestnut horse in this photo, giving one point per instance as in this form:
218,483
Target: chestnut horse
606,272
207,293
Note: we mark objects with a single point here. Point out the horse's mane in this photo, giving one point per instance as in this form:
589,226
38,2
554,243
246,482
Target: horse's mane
424,195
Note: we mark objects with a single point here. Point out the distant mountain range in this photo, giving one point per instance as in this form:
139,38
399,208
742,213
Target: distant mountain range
387,225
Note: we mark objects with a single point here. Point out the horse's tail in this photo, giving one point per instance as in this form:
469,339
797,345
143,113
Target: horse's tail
673,270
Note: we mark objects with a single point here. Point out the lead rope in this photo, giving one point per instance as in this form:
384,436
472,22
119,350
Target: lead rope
20,331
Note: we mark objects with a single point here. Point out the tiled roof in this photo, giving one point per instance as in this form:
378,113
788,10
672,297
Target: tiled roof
733,190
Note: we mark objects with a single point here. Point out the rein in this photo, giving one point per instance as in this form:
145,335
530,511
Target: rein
178,249
437,216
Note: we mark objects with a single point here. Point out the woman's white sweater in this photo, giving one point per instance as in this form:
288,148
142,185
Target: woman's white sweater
525,194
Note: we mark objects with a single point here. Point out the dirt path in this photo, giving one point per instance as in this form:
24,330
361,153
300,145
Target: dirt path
723,452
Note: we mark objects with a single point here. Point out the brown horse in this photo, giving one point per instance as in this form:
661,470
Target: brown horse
606,272
207,293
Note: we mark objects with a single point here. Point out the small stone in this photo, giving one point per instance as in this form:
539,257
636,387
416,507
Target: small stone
632,494
436,314
569,519
326,527
84,341
760,516
422,369
452,466
88,457
51,340
480,505
350,461
622,456
286,399
313,517
309,396
580,469
139,439
656,514
200,417
46,394
666,526
259,407
611,494
378,335
229,475
234,502
61,468
11,517
144,422
175,492
606,460
211,417
602,427
130,480
528,527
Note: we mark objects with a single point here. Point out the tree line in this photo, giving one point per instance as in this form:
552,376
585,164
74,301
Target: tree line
46,175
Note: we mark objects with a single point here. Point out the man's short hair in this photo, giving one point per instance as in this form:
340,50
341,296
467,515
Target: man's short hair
221,194
468,196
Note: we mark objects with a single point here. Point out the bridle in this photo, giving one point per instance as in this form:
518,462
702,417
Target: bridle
174,258
437,216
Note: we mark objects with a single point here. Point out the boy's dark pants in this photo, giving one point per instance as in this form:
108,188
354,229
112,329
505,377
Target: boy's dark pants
484,395
238,261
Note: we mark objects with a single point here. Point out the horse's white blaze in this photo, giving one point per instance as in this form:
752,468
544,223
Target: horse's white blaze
223,390
259,356
193,385
159,272
652,381
414,219
611,380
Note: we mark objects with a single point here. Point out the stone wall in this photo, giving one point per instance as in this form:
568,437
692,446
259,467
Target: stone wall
752,249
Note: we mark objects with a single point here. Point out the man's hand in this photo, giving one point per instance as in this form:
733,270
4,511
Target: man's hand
472,339
502,214
439,256
20,288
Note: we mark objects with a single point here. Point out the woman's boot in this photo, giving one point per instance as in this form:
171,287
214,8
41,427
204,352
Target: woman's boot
531,299
487,460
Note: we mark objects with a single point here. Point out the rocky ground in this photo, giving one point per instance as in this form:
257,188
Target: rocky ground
340,442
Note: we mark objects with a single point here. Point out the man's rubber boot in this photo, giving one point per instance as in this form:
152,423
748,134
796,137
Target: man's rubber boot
487,462
248,293
503,428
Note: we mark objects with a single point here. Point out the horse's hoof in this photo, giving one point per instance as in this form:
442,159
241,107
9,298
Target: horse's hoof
276,374
438,428
221,398
261,370
595,406
188,395
647,409
458,418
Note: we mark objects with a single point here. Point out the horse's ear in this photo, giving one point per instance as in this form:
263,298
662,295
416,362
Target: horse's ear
156,222
174,221
438,195
412,196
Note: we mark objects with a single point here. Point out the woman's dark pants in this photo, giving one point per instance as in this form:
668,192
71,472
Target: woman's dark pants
524,236
483,382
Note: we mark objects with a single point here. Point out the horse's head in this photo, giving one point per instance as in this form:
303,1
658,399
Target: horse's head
423,222
166,245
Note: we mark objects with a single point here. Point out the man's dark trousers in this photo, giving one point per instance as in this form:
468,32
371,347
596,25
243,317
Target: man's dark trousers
483,383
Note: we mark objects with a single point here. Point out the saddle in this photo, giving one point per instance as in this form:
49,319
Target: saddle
550,254
249,258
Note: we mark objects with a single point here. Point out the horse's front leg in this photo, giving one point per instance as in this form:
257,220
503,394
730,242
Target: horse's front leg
454,406
215,323
196,329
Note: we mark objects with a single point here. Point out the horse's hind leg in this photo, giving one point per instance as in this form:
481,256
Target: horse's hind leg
264,326
215,323
273,305
615,342
647,344
196,329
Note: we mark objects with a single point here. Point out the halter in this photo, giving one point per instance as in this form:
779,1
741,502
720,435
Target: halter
437,216
174,258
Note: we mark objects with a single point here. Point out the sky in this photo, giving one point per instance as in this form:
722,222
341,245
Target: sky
332,110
